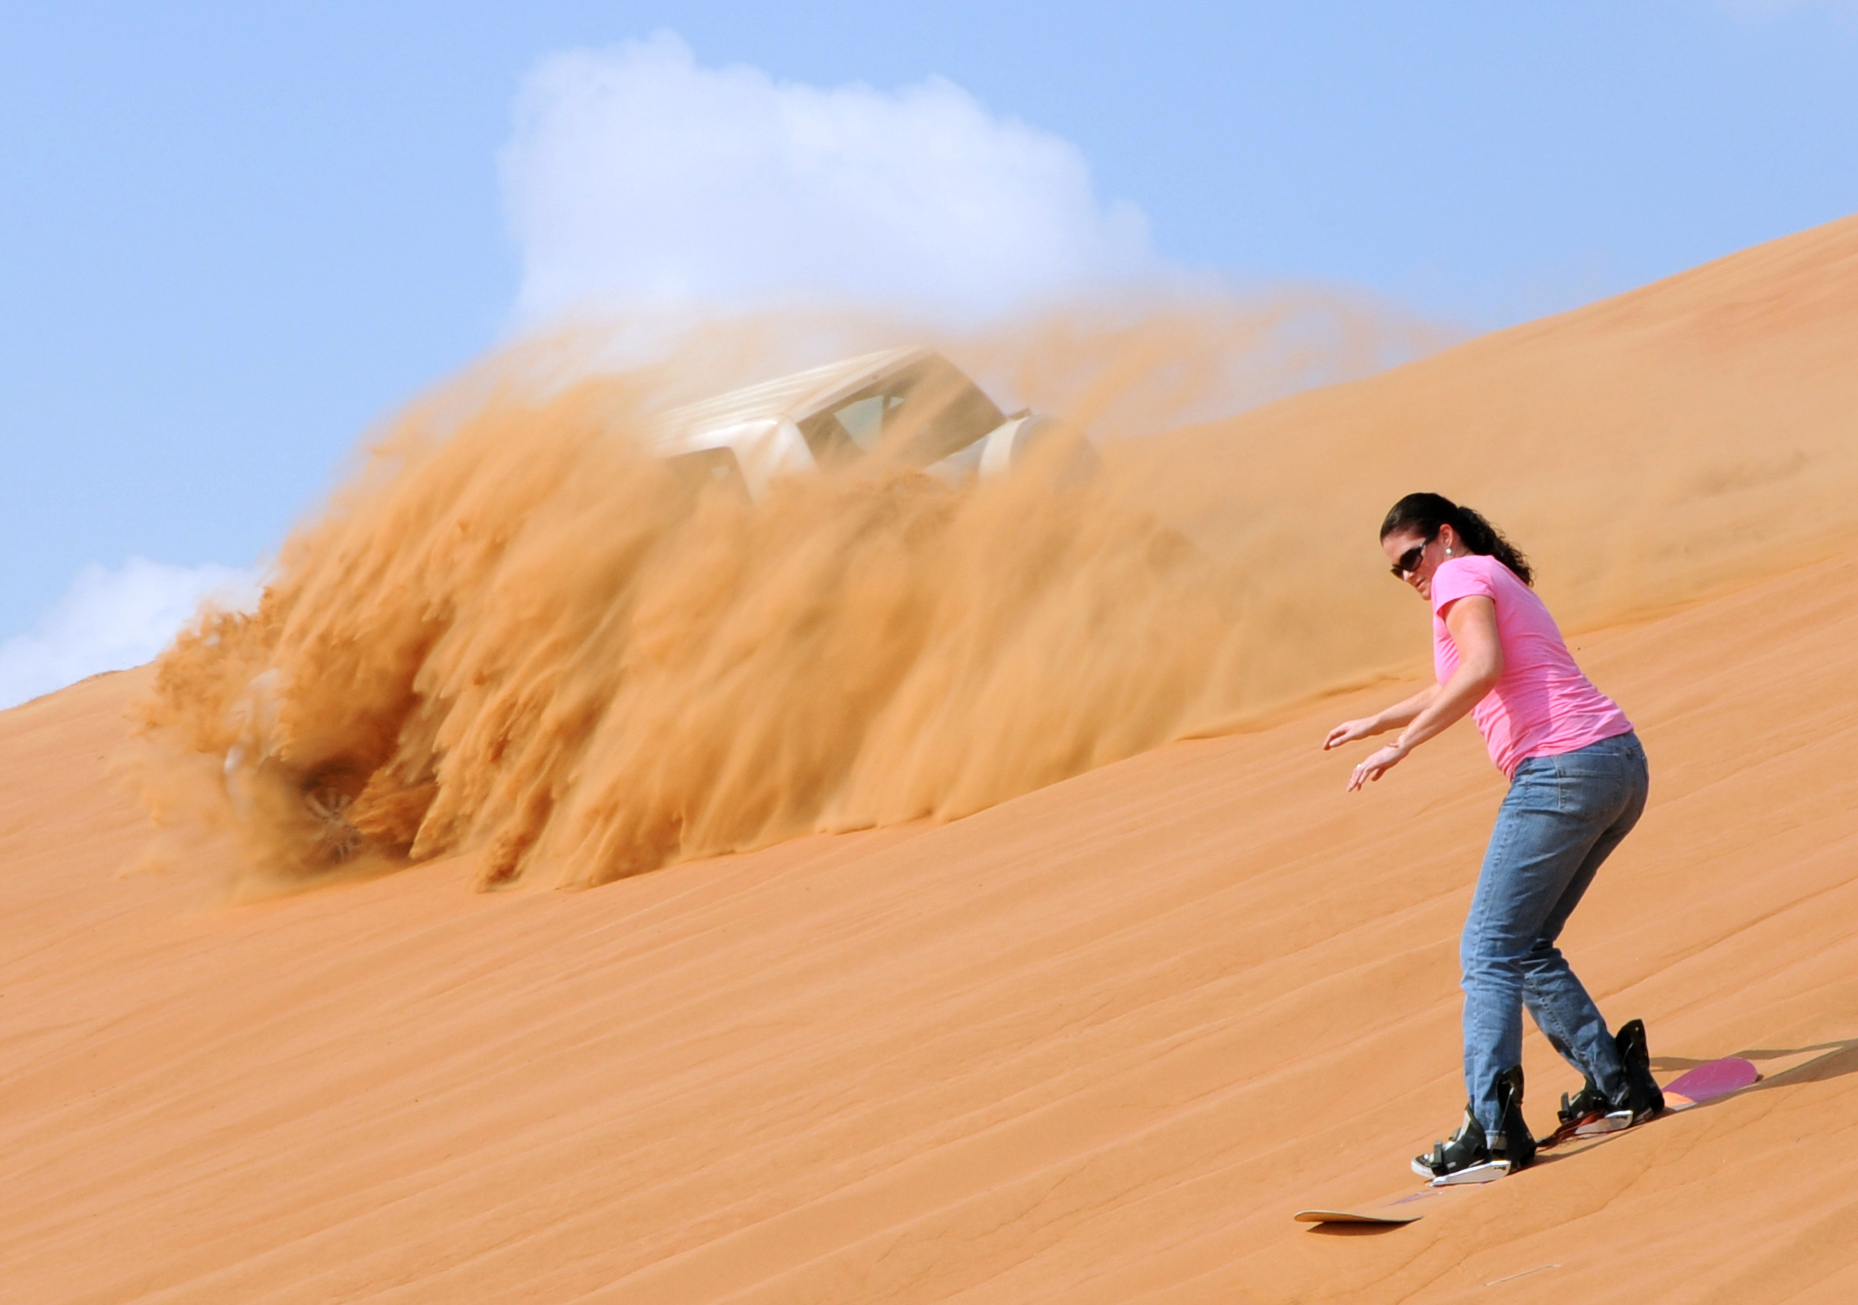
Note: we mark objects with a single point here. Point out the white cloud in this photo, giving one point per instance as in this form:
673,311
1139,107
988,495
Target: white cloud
110,620
638,180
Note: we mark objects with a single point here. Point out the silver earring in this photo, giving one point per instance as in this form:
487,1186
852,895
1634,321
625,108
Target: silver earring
1448,552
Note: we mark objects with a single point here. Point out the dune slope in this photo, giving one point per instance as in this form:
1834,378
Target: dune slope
1094,1044
1649,449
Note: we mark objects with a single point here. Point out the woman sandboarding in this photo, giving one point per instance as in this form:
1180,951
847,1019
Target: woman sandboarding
1577,785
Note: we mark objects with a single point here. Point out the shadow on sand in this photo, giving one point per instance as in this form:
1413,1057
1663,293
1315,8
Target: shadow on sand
1835,1060
1354,1229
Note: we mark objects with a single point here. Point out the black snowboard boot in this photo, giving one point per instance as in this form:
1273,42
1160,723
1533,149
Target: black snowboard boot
1643,1098
1465,1149
1589,1103
1585,1108
1515,1143
1590,1112
1470,1149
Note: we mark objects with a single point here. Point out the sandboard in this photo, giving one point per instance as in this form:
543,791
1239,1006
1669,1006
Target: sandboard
1714,1078
1355,1216
1700,1083
1705,1082
1405,1208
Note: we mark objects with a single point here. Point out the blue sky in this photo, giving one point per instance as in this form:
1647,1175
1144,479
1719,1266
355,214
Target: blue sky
233,235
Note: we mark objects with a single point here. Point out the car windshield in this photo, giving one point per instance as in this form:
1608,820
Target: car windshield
918,414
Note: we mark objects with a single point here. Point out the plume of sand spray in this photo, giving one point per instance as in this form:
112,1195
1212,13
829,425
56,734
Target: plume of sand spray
513,633
1137,368
516,633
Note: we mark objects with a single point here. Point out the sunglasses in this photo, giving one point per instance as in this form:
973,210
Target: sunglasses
1409,561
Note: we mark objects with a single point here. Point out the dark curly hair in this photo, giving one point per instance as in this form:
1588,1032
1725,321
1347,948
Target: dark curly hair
1425,513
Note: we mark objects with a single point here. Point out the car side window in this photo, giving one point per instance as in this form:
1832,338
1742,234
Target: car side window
854,428
862,420
922,413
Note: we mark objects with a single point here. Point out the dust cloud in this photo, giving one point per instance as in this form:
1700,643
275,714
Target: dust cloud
515,634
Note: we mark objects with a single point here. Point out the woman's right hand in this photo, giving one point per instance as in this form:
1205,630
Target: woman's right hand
1350,730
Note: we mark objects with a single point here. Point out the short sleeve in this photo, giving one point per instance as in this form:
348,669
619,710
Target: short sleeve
1460,578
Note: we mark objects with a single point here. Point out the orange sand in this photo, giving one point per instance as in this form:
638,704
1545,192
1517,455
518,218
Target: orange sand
1093,1044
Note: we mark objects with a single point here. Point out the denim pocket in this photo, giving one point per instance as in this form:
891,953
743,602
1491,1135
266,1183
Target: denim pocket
1594,781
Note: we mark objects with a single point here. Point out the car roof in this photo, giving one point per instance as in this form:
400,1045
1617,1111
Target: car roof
792,397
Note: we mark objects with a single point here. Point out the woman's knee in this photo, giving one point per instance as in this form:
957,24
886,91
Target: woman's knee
1489,972
1543,958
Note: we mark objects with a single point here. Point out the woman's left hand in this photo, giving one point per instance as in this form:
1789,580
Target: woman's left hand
1375,766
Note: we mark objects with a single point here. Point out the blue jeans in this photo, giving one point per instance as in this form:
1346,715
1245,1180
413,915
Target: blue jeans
1561,818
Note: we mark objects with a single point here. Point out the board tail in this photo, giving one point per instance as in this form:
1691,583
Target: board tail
1715,1078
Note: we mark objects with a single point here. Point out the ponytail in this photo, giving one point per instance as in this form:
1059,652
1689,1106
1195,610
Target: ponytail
1426,513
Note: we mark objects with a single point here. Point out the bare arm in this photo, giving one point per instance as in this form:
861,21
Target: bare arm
1473,623
1401,713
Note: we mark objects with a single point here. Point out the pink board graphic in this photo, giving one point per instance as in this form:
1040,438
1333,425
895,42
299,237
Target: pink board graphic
1712,1079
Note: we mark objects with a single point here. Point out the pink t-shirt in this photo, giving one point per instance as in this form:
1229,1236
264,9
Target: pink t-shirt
1543,706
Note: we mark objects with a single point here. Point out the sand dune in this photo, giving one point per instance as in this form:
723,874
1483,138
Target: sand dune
1091,1044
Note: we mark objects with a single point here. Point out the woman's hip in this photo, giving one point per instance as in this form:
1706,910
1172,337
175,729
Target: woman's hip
1602,783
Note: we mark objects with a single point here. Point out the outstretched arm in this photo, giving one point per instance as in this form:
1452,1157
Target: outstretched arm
1392,718
1473,623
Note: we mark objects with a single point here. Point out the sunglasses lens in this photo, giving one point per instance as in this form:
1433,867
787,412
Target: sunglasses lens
1409,561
